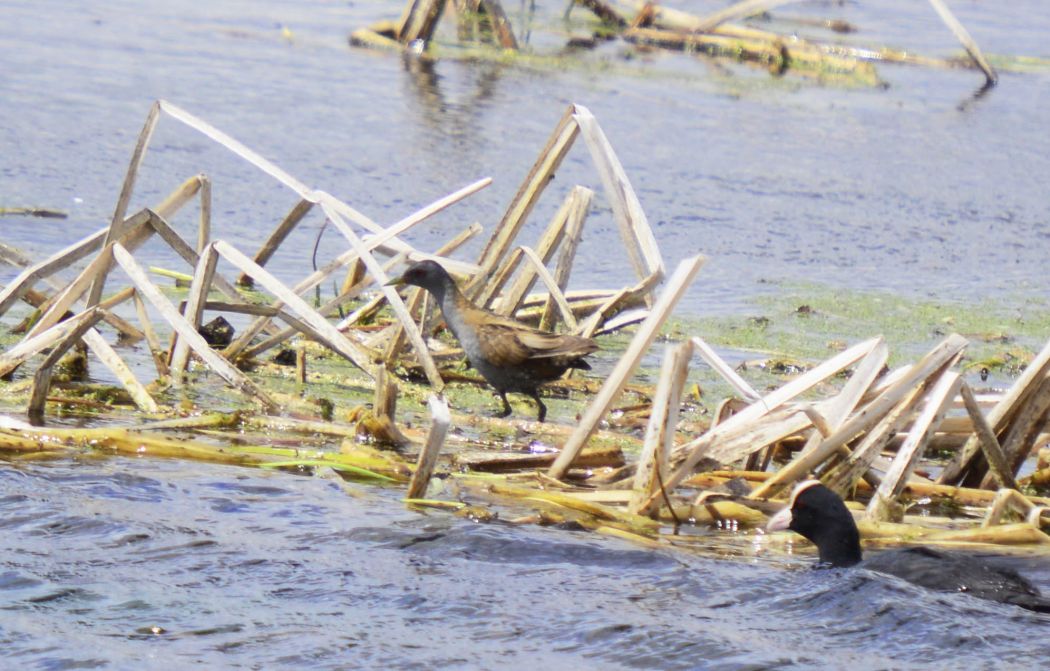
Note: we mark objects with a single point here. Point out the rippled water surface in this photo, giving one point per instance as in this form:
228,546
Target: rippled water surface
160,564
132,564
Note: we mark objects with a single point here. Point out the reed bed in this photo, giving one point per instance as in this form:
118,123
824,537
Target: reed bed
647,25
864,430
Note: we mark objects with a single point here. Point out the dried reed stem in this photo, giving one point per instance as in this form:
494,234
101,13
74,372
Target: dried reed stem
964,38
870,415
659,433
614,383
196,342
439,424
937,404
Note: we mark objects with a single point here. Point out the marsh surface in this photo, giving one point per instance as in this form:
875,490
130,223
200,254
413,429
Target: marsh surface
776,180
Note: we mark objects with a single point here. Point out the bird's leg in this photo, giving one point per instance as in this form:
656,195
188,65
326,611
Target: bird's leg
506,406
543,409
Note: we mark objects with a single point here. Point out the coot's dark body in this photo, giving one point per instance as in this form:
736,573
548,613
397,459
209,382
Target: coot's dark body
951,572
819,514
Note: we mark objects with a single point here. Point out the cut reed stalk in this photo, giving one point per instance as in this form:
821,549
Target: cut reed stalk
964,38
196,342
521,205
743,422
998,466
614,383
659,433
581,203
725,370
199,288
552,286
1000,416
867,417
283,229
317,323
937,403
1030,418
439,423
160,358
511,299
396,304
627,210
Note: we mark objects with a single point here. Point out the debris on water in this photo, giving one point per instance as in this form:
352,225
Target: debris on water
41,212
629,465
218,332
644,26
284,357
539,447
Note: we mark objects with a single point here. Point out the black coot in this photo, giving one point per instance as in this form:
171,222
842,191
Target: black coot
819,514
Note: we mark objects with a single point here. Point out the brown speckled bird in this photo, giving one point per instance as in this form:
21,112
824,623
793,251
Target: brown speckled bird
511,356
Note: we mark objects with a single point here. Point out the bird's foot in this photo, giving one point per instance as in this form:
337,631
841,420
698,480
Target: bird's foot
542,414
505,412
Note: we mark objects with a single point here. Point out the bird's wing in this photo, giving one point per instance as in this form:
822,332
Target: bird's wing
550,345
500,344
511,344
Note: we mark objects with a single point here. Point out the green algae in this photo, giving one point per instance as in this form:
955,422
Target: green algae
1016,63
812,321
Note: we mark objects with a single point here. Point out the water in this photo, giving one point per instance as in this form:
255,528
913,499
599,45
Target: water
775,180
160,564
893,189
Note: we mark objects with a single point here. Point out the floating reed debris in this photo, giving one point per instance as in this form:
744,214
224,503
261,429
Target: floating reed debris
864,431
42,212
115,246
75,309
648,25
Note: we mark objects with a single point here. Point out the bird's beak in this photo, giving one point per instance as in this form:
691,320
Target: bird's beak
396,282
780,521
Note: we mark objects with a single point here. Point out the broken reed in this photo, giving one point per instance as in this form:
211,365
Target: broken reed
651,25
845,435
111,256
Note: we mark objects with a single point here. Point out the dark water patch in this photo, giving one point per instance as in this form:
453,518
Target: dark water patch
506,545
14,580
72,525
63,596
150,554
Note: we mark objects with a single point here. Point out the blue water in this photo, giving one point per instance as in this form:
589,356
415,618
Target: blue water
132,564
888,189
136,564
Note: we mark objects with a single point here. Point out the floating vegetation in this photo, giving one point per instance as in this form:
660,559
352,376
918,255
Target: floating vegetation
483,31
635,461
42,212
808,320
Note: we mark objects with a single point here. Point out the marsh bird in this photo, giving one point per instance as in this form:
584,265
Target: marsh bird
508,354
819,514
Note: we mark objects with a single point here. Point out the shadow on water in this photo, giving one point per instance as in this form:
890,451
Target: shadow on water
976,97
157,562
458,118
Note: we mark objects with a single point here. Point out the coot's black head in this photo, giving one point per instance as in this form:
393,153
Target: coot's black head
819,514
427,274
